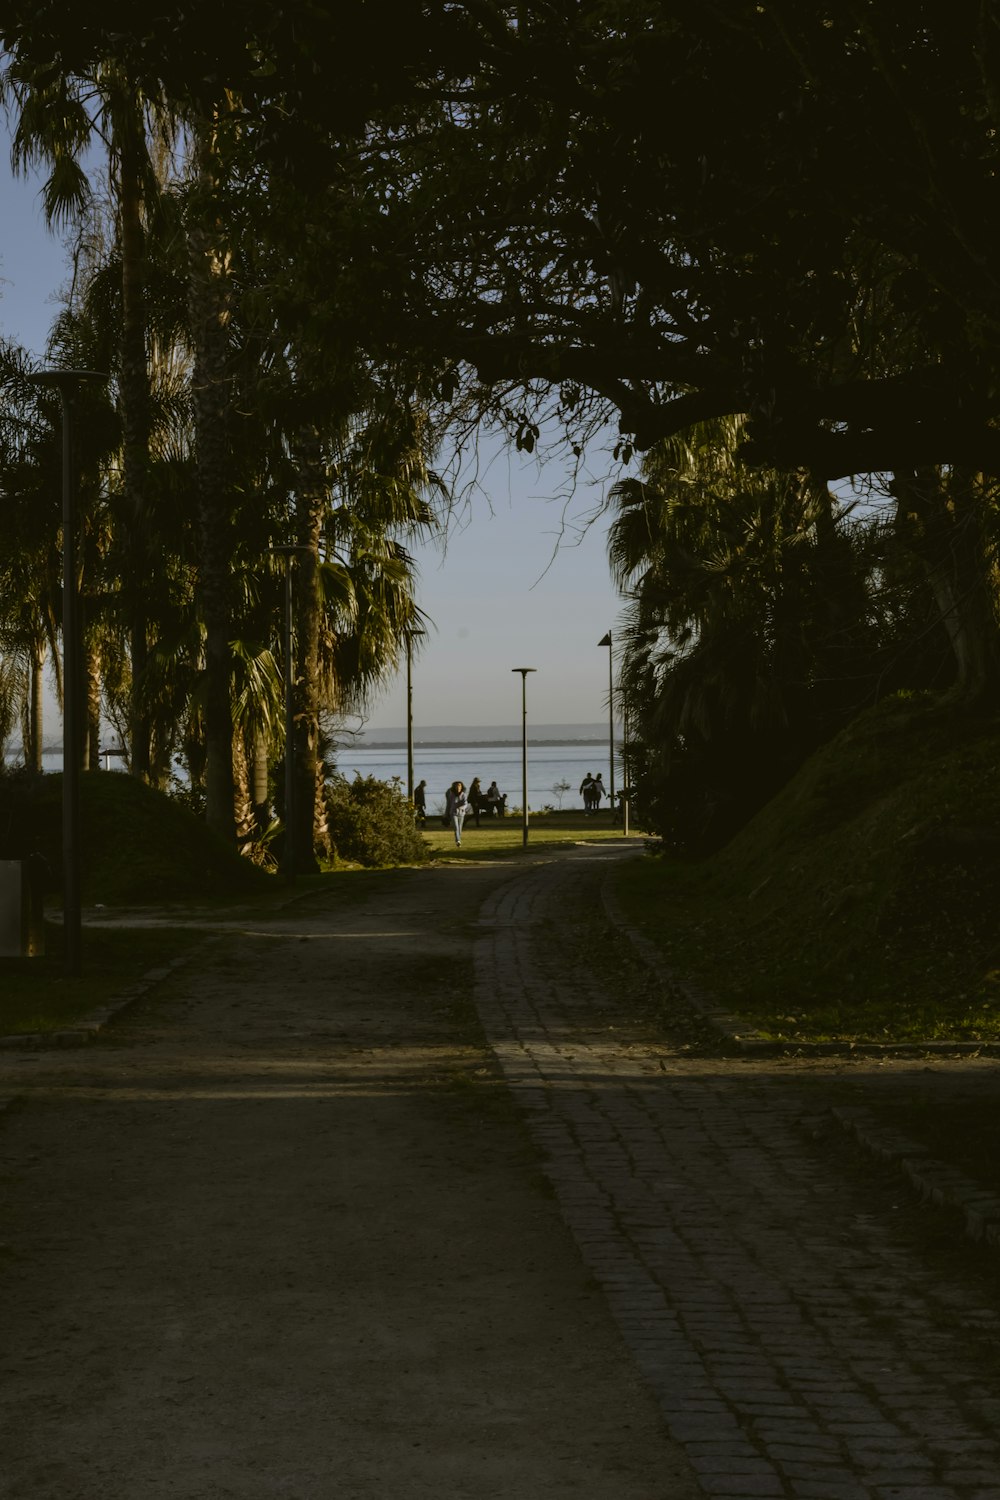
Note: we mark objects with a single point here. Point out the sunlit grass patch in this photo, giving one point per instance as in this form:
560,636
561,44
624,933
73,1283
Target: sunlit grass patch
35,994
498,838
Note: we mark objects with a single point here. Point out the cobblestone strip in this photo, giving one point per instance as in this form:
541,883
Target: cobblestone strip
795,1349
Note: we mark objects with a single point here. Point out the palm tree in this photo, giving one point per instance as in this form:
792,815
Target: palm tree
210,312
357,498
30,593
60,118
712,554
754,626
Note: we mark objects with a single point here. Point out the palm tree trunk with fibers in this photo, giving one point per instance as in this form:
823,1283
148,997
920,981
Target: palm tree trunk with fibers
310,508
135,404
209,303
92,704
259,782
36,712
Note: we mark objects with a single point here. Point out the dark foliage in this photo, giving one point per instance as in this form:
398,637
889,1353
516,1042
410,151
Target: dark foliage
371,823
135,843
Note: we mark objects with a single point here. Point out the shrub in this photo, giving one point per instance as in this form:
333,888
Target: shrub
371,822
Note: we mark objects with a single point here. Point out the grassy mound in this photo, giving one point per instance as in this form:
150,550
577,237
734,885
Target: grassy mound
862,902
136,845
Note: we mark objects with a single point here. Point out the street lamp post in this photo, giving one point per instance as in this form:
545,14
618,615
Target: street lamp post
524,751
67,383
409,633
606,641
626,775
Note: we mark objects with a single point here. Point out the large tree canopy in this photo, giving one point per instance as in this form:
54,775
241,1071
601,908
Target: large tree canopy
751,217
691,209
702,209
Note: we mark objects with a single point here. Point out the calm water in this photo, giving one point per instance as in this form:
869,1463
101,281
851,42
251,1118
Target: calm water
547,765
439,767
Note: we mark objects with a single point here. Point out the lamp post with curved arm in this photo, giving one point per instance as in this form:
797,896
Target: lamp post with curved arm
606,641
67,383
524,751
409,633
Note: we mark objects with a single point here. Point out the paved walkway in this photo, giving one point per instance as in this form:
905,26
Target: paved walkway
797,1345
280,1233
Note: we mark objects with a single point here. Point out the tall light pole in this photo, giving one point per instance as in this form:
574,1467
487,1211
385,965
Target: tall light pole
626,776
409,633
524,751
67,383
606,641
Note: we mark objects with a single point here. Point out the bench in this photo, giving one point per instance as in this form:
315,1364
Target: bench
485,807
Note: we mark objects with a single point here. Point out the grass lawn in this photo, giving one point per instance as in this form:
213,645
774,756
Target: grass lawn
500,838
35,995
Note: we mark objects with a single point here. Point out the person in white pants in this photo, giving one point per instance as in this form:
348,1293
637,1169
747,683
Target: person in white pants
456,805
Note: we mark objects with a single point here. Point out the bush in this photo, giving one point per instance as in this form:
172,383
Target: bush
371,822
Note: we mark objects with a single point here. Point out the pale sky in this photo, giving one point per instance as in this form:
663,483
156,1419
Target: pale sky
502,594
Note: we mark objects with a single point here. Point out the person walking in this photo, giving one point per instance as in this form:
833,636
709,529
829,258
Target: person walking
456,805
476,798
597,790
420,802
587,791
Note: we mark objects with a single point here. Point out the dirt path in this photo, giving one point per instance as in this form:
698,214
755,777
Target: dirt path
282,1233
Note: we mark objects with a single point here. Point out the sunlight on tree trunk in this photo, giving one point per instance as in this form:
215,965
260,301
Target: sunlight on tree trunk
36,715
246,822
92,706
259,782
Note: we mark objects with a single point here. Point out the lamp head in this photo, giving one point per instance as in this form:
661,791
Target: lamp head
66,380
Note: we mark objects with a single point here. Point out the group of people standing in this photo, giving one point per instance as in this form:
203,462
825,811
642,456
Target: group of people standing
458,802
592,789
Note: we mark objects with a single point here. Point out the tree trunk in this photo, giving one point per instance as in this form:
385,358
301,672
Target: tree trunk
941,521
209,302
245,820
36,711
92,706
310,508
260,785
135,408
322,842
840,608
193,751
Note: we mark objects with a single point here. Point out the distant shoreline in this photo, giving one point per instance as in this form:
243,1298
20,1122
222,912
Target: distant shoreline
459,744
500,743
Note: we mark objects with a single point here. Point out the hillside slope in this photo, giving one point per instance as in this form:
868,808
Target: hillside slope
136,845
863,901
